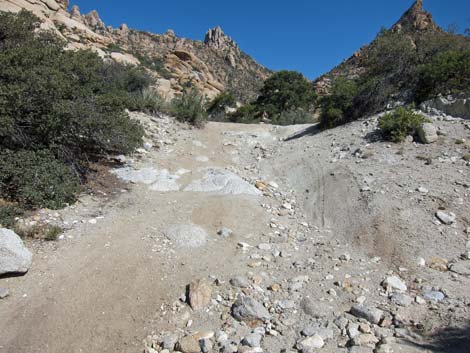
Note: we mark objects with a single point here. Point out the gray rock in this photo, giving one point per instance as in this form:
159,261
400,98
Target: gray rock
445,218
357,349
14,256
240,282
248,309
187,235
371,314
165,182
435,296
462,268
4,292
206,345
402,299
394,283
427,133
315,309
169,341
225,232
310,344
139,176
252,340
223,182
453,106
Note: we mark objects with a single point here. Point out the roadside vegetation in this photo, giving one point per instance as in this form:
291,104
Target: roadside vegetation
400,66
286,98
59,111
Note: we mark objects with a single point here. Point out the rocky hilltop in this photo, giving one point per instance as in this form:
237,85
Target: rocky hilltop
415,22
213,65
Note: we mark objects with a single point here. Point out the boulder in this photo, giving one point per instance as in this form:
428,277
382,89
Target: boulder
427,133
199,294
248,309
187,235
14,256
371,314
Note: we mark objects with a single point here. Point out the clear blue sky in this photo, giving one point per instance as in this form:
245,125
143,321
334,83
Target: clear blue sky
305,35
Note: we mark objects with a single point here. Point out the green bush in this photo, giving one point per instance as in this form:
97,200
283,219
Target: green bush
58,110
448,72
8,215
283,93
189,108
216,108
395,126
337,107
36,179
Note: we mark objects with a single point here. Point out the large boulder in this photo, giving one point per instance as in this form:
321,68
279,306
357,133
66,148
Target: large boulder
458,107
427,133
14,256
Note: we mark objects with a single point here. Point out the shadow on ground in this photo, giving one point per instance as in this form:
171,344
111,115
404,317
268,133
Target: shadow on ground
310,131
449,340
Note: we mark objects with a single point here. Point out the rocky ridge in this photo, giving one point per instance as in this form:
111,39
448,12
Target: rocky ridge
213,65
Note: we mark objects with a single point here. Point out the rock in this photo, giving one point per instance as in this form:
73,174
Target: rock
75,12
240,282
453,106
222,182
200,292
384,348
4,292
51,4
141,176
371,314
445,218
365,340
248,309
461,268
187,235
188,344
165,182
311,343
264,247
402,299
439,264
435,296
206,345
14,256
225,232
315,309
427,133
394,283
169,341
252,340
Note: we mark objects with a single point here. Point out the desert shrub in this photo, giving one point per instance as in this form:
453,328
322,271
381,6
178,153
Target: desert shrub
395,126
282,93
246,114
36,179
448,72
149,101
189,108
58,110
8,215
113,47
337,107
294,116
217,107
52,233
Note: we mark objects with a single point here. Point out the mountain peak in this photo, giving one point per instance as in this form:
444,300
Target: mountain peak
217,39
416,19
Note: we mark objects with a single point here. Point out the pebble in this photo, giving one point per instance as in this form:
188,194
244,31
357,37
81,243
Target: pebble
435,296
446,218
314,342
225,232
240,281
402,299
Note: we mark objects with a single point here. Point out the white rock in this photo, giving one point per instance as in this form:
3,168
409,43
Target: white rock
395,283
187,235
445,218
14,256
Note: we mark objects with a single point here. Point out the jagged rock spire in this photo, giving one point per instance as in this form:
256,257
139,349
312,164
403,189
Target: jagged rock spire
93,20
217,39
416,19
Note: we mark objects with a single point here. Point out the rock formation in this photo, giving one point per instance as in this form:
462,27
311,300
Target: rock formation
212,65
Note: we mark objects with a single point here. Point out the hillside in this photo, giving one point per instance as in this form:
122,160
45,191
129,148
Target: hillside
212,66
404,64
